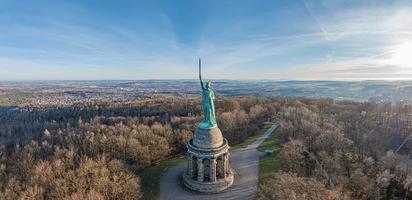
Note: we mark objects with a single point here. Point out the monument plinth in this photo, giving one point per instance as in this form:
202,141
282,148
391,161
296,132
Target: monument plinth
208,168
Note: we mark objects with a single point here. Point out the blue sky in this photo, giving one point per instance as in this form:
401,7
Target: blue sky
237,39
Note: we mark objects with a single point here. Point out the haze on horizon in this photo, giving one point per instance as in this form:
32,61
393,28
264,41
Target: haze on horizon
263,39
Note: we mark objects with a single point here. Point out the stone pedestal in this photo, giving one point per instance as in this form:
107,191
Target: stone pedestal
208,167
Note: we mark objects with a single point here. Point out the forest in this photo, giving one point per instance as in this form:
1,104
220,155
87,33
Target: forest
330,149
97,150
342,150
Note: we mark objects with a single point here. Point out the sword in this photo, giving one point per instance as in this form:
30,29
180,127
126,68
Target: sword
200,69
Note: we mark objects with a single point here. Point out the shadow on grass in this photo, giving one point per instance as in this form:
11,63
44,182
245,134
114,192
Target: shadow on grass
251,138
150,177
269,163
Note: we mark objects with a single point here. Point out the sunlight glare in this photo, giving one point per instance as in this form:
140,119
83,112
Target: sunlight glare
402,55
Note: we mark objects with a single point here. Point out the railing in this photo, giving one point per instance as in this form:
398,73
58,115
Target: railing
403,143
325,174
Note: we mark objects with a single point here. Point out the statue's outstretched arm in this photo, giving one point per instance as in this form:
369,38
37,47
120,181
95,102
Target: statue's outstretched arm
201,84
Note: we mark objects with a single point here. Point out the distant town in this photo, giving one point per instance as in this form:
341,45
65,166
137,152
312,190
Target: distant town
61,93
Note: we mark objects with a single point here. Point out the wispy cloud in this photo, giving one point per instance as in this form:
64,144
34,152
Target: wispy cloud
321,27
346,43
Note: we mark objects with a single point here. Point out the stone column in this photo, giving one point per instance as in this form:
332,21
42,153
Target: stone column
225,164
190,165
212,169
200,169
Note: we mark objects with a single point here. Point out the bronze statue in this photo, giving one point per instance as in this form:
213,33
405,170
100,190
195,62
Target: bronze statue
208,107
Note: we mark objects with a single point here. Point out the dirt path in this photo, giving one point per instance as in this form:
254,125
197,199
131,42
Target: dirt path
245,163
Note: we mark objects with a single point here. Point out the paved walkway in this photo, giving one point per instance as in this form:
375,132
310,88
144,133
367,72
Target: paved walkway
245,163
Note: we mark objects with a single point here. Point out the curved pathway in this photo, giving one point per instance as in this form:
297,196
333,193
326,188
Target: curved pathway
244,161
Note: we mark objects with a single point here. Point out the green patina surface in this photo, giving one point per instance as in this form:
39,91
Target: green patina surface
208,107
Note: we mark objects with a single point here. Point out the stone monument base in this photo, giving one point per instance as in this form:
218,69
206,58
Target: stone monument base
209,187
208,168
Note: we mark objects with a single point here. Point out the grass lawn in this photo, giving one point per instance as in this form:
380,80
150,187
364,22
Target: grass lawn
268,164
150,177
251,139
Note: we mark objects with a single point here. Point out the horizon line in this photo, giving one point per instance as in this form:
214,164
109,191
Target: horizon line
184,79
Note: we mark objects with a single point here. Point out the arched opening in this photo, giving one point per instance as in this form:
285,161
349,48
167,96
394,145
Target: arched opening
194,167
206,170
220,167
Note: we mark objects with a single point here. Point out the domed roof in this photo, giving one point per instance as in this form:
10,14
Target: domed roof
208,138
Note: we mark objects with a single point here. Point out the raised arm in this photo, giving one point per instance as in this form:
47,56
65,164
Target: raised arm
200,74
